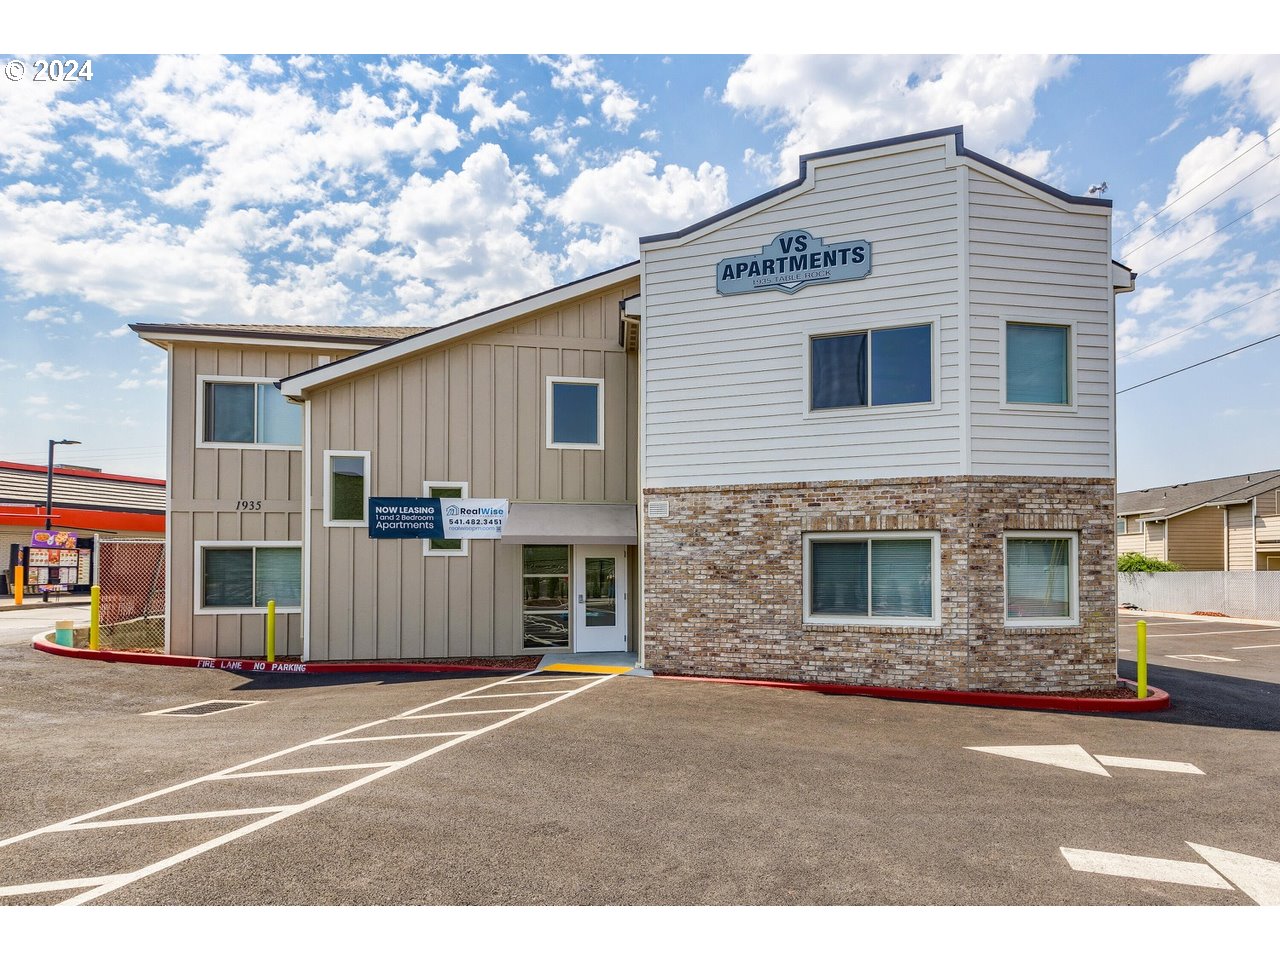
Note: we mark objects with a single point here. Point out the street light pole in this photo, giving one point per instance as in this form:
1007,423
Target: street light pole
48,489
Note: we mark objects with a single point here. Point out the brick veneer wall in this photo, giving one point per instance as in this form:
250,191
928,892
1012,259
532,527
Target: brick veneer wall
723,584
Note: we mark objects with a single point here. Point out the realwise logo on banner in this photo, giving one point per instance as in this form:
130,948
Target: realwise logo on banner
793,260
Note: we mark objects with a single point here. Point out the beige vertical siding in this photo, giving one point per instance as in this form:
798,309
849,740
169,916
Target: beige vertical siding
205,485
1196,540
1240,555
1156,540
1268,520
471,411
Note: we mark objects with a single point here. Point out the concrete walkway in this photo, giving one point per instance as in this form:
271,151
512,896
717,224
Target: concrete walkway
623,662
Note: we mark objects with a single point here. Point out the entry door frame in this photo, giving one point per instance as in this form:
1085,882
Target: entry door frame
610,639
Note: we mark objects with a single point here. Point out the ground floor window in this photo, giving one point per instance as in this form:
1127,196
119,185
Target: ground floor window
545,593
448,490
246,576
883,578
1040,578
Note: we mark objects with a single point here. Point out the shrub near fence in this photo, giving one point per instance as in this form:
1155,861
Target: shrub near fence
1237,593
132,589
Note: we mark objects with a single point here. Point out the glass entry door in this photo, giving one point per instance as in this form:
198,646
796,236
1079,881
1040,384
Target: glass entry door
599,599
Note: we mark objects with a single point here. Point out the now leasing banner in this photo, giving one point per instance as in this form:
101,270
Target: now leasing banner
434,518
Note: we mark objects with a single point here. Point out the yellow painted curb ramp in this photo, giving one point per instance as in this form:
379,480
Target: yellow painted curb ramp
583,668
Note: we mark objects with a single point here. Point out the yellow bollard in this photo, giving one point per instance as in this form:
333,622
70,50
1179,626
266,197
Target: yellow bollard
17,585
1142,659
94,592
271,631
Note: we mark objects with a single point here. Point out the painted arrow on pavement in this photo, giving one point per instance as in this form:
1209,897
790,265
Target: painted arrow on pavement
1257,878
1072,756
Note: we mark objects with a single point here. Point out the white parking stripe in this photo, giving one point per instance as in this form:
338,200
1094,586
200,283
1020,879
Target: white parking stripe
293,770
396,736
460,713
116,881
526,693
1211,633
77,884
1261,646
171,818
548,680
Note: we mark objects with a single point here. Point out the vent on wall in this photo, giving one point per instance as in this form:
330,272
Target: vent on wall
657,509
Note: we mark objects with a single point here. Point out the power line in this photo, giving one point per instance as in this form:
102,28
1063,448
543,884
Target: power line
1165,376
1133,250
1179,333
1208,235
1184,195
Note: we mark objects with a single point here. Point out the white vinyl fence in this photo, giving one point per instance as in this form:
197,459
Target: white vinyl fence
1237,593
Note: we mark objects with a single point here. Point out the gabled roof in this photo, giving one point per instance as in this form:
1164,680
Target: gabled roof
295,385
806,159
346,333
1161,503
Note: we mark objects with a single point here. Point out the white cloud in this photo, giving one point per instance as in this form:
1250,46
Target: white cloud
46,370
31,114
555,138
630,198
488,113
582,75
1252,78
265,65
1148,298
822,102
130,384
465,231
546,166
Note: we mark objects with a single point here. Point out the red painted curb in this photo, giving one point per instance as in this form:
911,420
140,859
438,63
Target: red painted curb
1157,699
250,665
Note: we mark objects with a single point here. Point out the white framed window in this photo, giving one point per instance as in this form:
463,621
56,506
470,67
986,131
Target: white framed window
1122,526
1037,360
448,489
887,578
575,413
241,576
346,488
879,368
245,413
1041,578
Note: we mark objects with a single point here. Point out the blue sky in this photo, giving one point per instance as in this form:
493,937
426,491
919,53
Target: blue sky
415,189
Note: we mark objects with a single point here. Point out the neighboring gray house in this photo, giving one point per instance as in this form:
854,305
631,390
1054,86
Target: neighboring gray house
1230,523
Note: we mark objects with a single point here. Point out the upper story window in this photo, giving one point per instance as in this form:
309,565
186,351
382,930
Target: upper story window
346,492
1037,363
871,368
575,413
1122,526
247,412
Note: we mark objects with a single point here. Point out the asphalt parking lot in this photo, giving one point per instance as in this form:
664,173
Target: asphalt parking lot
622,790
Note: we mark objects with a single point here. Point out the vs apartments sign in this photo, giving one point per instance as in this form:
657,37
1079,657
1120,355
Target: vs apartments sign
793,260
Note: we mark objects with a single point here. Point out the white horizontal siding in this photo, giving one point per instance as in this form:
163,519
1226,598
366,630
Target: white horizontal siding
1032,260
725,376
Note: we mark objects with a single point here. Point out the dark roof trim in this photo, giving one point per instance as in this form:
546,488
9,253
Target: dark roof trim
453,323
239,332
957,132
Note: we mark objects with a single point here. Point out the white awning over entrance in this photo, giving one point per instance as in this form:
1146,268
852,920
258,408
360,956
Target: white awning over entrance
570,523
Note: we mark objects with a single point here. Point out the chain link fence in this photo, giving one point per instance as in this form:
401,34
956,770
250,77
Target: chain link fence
1236,593
131,595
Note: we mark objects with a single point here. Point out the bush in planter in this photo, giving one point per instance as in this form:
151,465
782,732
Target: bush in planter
1140,563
